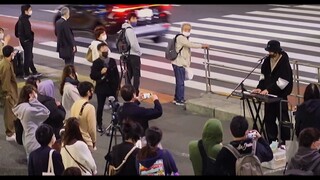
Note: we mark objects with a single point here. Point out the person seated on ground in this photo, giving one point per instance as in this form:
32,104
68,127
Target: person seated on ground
46,87
151,160
38,160
308,113
131,132
212,135
225,161
72,171
307,157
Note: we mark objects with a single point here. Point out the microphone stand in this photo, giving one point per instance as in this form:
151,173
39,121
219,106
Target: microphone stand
242,85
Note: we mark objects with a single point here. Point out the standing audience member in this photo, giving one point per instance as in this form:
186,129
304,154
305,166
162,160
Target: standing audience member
31,114
26,38
38,161
308,113
85,112
133,59
100,37
66,45
226,161
307,157
183,61
74,151
4,40
151,160
8,91
105,73
68,88
131,132
212,136
276,78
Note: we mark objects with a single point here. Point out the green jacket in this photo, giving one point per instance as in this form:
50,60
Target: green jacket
212,135
8,81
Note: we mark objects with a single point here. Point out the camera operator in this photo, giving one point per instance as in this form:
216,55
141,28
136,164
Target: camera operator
105,72
132,110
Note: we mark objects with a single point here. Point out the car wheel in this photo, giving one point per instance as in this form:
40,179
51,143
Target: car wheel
157,39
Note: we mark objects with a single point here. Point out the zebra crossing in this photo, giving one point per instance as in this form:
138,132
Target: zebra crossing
241,39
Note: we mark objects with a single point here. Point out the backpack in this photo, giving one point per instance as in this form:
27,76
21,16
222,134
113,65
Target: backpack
16,30
208,163
248,164
302,171
171,53
122,42
156,169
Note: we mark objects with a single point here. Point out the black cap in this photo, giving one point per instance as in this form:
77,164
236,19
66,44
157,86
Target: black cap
273,46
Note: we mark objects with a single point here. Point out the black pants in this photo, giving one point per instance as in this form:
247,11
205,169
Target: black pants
69,60
28,58
101,99
272,112
134,68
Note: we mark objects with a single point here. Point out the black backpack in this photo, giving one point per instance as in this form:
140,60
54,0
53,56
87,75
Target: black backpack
208,163
122,43
171,53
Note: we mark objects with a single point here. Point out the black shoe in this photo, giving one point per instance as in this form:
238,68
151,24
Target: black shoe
36,74
99,129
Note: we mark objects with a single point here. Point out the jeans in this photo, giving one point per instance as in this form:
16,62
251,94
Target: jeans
134,68
179,73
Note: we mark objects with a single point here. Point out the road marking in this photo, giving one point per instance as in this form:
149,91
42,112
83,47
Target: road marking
49,11
279,5
296,11
15,17
292,16
308,6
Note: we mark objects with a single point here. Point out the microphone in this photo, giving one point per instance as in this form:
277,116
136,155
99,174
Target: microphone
111,98
263,58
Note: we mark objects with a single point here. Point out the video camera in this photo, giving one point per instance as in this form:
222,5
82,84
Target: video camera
114,105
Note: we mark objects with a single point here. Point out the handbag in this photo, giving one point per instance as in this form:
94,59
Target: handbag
50,170
89,55
112,170
189,73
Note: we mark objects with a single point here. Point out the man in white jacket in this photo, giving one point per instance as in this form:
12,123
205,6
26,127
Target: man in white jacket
133,60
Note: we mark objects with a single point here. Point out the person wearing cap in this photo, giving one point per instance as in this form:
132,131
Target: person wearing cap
276,78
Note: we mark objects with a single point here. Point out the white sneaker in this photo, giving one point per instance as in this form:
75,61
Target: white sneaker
11,138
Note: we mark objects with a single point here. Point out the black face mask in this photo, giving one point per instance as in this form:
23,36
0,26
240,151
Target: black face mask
90,97
105,54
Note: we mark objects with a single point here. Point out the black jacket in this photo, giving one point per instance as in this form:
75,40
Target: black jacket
282,70
307,115
24,29
65,39
109,82
139,114
225,161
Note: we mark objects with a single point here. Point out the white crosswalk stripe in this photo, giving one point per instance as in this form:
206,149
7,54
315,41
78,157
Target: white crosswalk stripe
247,34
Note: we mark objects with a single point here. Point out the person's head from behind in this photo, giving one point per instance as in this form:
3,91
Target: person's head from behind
312,91
45,135
310,138
65,12
153,136
186,29
131,130
27,93
8,52
85,89
71,131
72,171
239,126
132,19
69,71
127,92
100,33
33,80
103,50
26,9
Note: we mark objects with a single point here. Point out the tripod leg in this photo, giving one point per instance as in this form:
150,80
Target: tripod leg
108,156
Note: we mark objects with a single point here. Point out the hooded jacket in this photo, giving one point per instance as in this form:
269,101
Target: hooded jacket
46,87
132,37
212,135
305,158
307,115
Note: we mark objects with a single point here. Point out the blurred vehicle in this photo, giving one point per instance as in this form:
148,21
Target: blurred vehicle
153,19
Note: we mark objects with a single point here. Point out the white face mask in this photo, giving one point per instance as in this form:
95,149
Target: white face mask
186,33
1,35
104,37
35,95
30,13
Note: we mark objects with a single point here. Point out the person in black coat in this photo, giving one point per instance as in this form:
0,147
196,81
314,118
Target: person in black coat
276,78
131,109
308,113
39,158
26,38
105,72
66,45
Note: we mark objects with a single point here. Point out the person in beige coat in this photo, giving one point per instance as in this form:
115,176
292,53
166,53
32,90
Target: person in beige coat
183,61
8,90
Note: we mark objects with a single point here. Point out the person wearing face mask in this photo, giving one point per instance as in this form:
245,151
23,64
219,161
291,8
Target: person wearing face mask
66,45
133,58
4,40
87,117
100,37
105,72
26,38
276,78
8,91
183,61
32,114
